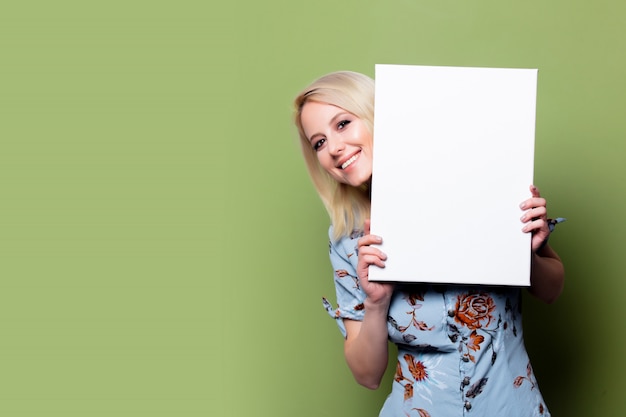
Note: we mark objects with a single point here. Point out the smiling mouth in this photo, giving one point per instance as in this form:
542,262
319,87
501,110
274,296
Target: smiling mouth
350,161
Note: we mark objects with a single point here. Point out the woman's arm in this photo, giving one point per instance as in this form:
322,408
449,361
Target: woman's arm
366,343
547,274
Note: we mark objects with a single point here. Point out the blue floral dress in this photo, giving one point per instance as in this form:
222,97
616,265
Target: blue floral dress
460,348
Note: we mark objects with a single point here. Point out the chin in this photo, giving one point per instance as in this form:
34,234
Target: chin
358,182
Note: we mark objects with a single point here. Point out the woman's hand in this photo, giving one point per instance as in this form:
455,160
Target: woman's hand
366,343
535,218
378,294
546,273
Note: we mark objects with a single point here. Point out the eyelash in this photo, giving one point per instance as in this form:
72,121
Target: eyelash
317,145
342,124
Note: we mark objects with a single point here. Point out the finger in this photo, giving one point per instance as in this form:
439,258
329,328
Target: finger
534,191
368,240
373,259
535,226
366,226
534,213
533,203
368,251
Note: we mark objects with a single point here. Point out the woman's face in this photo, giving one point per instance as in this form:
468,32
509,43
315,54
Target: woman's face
342,141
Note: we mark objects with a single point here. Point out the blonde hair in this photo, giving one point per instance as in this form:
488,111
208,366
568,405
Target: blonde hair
347,206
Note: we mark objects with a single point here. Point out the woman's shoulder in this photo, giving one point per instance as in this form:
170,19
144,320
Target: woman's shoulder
353,235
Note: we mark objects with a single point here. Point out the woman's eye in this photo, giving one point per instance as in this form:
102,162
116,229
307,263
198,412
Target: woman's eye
317,145
342,124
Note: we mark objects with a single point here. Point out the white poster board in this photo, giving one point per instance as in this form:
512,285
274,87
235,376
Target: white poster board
453,159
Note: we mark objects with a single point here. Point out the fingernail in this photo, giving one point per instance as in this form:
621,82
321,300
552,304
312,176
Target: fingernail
522,205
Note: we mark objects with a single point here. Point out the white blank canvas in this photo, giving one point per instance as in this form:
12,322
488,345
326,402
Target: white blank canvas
453,158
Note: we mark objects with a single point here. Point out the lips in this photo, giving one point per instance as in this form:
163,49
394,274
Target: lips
350,161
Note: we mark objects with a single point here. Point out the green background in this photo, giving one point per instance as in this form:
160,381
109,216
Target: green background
162,251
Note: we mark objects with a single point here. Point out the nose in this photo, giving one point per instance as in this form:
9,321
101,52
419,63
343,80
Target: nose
335,145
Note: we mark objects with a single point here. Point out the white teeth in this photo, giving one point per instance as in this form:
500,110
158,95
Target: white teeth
349,162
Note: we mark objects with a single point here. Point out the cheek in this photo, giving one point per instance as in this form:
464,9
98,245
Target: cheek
364,137
324,160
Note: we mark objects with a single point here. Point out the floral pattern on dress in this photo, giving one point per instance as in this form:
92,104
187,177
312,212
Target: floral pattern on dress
529,377
473,311
460,348
424,375
414,301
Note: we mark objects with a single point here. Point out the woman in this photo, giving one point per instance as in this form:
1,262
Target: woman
460,348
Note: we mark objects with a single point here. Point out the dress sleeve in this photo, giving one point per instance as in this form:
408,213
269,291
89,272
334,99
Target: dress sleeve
350,296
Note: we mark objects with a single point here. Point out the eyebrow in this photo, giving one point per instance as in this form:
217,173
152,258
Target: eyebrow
332,122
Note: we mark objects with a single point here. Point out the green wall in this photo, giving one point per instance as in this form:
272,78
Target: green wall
162,252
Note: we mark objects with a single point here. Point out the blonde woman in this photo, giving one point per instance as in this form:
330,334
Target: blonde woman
460,348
